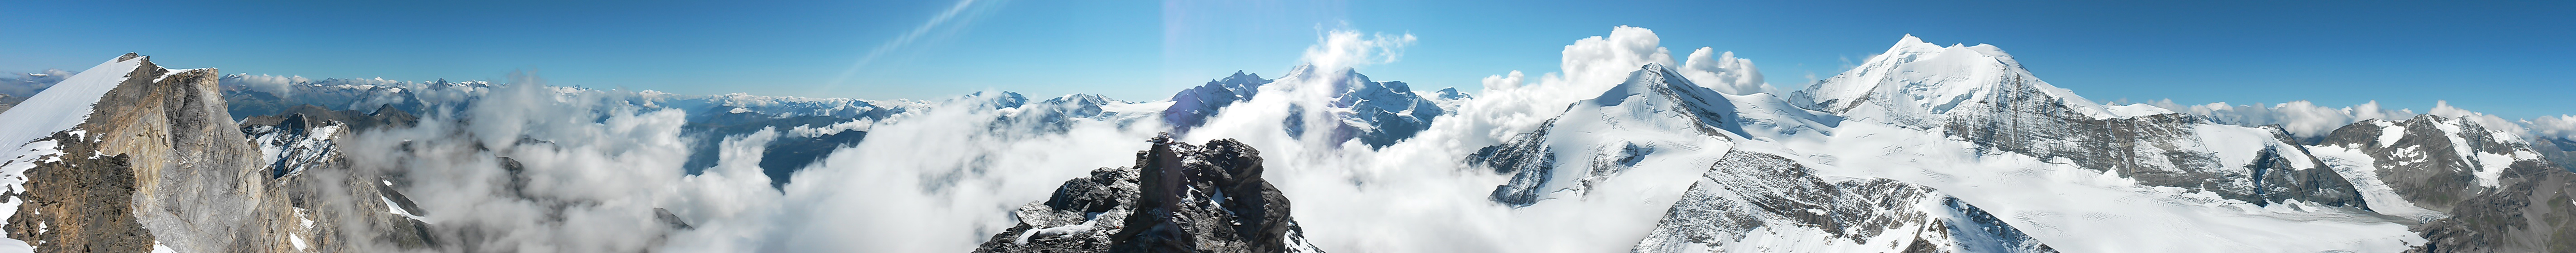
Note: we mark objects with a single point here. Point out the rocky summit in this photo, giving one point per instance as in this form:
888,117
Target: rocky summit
1177,198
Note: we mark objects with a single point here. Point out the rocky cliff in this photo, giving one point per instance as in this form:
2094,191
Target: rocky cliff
2473,189
1177,198
157,163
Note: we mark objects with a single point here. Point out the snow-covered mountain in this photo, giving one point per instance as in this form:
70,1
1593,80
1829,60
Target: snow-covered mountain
2466,187
1375,113
1980,94
1922,148
1748,199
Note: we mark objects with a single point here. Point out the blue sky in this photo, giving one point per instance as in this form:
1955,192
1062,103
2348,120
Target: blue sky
2506,58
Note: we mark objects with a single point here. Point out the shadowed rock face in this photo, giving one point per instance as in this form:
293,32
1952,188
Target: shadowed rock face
2433,162
80,203
1177,198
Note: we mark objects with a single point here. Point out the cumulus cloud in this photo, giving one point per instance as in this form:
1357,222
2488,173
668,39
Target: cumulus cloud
942,180
2561,126
1417,196
1514,103
2306,120
2302,119
1609,59
1724,73
1342,49
275,85
533,168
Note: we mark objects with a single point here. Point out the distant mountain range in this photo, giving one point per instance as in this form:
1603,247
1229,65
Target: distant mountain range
1922,148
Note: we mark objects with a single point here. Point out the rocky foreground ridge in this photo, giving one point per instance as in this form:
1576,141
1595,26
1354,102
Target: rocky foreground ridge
1177,198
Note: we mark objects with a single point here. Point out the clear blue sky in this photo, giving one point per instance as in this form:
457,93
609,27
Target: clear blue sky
2508,58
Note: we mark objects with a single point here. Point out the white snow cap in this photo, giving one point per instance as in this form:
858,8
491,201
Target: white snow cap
1921,79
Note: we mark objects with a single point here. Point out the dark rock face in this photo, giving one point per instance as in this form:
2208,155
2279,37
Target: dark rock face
1527,158
80,203
1178,198
2434,162
1745,192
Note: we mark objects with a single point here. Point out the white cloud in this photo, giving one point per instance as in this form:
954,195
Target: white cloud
943,180
2561,126
2302,119
1341,49
1513,103
1606,61
276,85
1724,73
594,168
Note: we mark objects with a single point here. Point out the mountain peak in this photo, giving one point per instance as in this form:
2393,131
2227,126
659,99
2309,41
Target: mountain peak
1915,80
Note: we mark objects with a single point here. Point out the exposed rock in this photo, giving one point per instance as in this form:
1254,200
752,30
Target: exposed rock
2498,194
332,206
1749,200
1529,160
162,139
1177,198
159,162
81,202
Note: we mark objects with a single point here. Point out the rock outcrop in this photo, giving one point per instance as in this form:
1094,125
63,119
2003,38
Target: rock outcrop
162,150
2492,192
1750,200
157,163
1177,198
